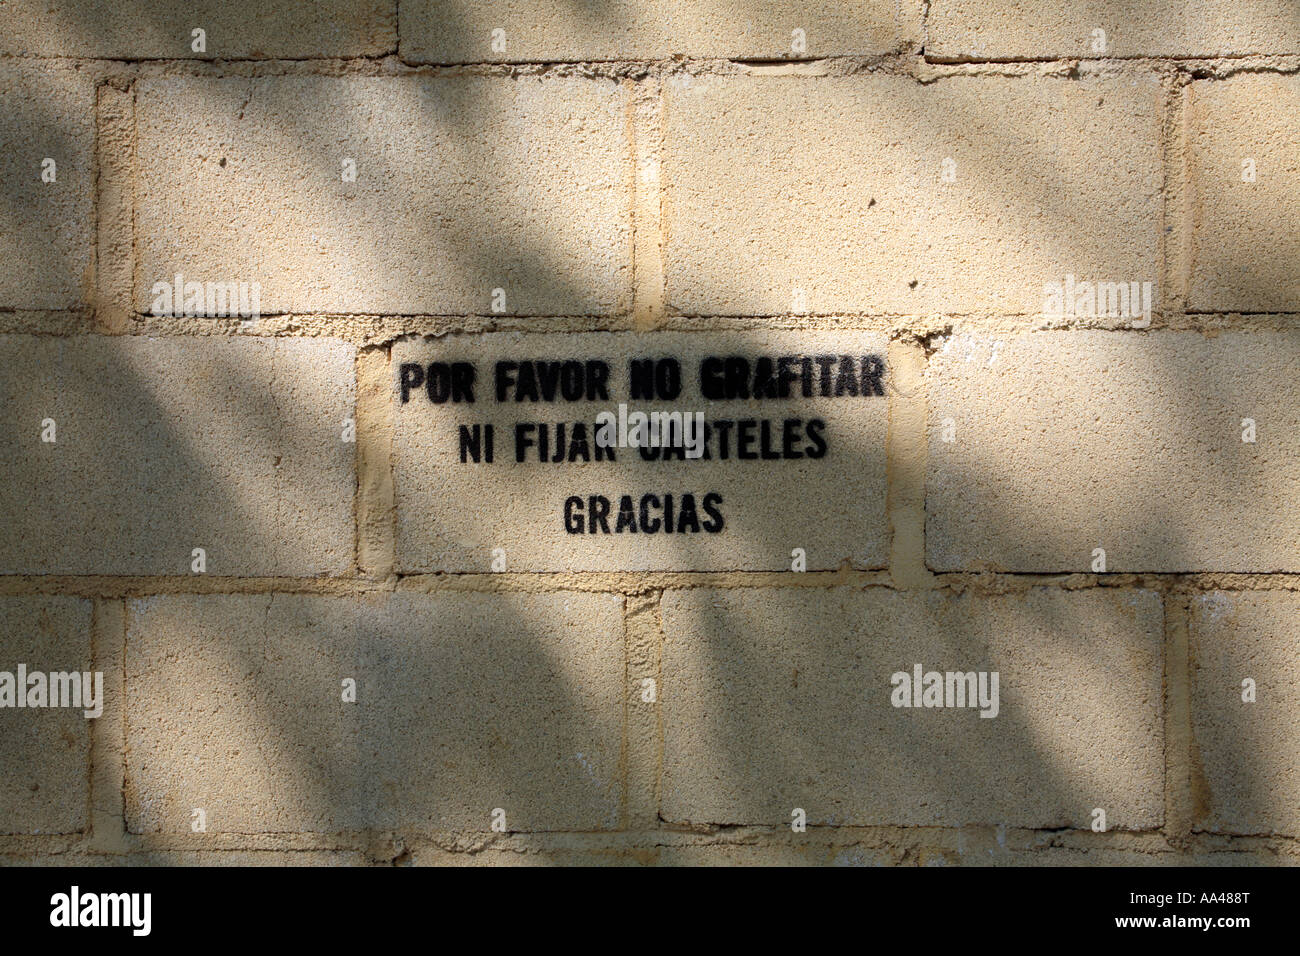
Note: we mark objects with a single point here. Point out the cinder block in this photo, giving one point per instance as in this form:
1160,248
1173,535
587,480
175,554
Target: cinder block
822,491
46,181
1245,186
1245,755
148,29
465,703
44,750
879,194
164,445
444,31
1013,29
1068,442
463,186
774,700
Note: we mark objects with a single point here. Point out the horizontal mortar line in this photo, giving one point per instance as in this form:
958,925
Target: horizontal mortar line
85,310
1243,313
1149,840
631,582
675,60
639,581
235,324
392,327
202,67
1084,59
926,321
372,331
125,586
200,61
344,838
1118,323
1088,580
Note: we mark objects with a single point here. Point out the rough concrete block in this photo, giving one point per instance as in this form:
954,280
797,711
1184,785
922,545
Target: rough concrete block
1019,30
44,751
465,703
453,514
828,194
47,179
149,29
781,699
1245,182
164,445
1245,755
463,186
447,31
1068,442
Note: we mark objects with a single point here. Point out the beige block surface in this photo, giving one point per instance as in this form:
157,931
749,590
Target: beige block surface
164,445
1246,235
1023,29
463,185
465,703
777,699
452,515
455,31
833,186
1065,442
1246,755
45,242
147,29
45,752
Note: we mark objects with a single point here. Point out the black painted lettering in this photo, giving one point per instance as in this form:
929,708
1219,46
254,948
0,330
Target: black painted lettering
437,382
715,522
687,519
847,379
626,515
815,428
462,382
504,377
523,439
412,377
872,371
597,513
789,435
711,380
649,525
573,515
597,381
745,439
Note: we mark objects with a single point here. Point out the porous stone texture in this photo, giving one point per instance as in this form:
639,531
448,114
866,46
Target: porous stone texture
451,31
46,186
464,185
777,700
968,192
452,515
122,455
1024,30
1245,752
149,29
1063,443
962,195
464,704
1244,181
44,751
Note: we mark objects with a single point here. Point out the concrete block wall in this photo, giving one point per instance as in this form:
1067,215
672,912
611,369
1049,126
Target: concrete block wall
237,521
